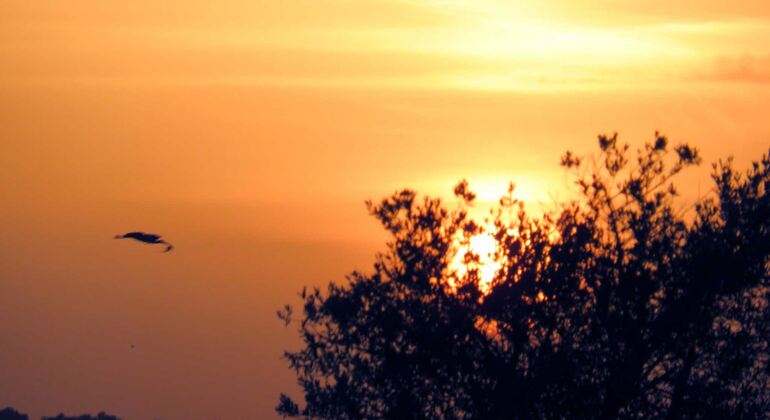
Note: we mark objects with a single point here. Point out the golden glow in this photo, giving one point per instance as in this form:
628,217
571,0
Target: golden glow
492,188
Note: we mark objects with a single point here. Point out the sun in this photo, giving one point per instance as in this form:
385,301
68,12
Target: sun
484,246
488,190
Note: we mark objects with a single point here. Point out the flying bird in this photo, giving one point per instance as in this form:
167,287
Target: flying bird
147,238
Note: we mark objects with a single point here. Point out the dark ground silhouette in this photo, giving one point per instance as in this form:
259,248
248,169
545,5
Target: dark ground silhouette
100,416
11,414
624,303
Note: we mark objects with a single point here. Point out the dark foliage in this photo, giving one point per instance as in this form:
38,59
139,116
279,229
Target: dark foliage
622,304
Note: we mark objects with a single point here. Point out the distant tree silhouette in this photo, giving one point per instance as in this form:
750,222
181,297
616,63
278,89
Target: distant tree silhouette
9,413
620,304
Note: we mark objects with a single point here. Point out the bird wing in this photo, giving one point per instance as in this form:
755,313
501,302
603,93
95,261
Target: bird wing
144,237
141,236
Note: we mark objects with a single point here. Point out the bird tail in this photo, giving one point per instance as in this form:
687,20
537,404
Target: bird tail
169,247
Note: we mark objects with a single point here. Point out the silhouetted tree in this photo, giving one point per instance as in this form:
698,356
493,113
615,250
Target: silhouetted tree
620,304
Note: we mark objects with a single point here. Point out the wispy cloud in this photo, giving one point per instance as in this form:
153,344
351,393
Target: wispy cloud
498,45
745,68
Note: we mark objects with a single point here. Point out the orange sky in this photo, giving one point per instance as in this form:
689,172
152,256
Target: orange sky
250,132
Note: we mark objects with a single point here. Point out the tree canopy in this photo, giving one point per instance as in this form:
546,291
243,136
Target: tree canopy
622,303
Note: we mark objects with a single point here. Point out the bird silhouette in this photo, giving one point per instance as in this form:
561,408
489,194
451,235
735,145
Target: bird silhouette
147,238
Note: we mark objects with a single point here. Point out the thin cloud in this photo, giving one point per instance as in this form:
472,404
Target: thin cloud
745,69
633,12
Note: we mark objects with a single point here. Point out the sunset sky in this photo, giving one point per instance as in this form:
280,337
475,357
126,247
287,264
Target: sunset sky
249,134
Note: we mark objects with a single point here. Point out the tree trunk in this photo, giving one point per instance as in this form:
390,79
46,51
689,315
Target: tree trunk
680,384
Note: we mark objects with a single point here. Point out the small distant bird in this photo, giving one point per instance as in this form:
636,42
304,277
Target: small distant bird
147,238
